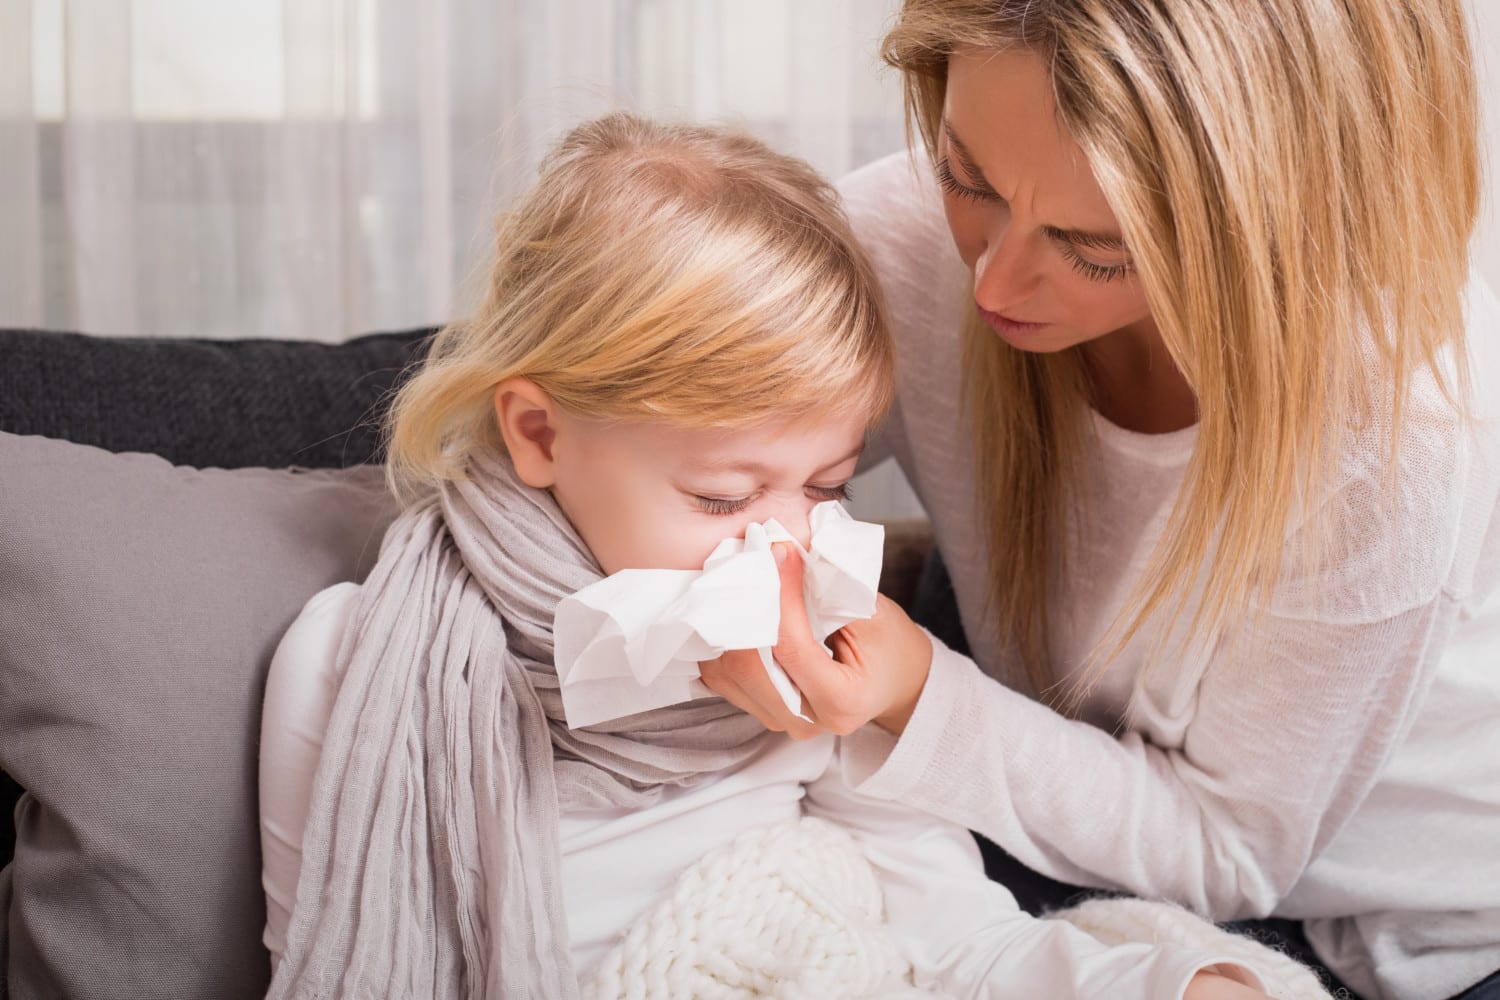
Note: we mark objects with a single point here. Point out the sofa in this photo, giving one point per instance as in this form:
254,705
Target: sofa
166,507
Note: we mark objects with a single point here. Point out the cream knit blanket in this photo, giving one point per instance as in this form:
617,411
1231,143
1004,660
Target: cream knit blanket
794,911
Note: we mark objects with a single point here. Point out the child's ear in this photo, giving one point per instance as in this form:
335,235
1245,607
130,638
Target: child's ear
528,420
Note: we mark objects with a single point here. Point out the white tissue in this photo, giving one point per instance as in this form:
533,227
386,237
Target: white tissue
632,641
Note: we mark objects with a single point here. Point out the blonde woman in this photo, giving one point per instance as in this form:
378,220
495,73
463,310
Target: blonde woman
1202,399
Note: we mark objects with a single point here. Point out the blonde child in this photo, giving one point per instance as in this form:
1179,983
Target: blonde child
680,340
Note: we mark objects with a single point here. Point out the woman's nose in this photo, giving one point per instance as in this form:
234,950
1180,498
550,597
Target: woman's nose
1004,275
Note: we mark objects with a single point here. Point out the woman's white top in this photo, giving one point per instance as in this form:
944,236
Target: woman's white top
1346,771
964,935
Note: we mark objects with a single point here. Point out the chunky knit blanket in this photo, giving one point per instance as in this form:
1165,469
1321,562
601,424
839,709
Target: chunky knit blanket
794,910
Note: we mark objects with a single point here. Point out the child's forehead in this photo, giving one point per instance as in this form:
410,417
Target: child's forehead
758,449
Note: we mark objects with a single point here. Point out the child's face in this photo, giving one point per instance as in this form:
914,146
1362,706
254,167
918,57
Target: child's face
649,496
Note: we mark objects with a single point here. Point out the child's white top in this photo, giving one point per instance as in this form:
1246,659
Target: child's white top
964,935
1351,766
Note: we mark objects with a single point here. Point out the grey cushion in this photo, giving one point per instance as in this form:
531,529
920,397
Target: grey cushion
223,403
227,403
140,603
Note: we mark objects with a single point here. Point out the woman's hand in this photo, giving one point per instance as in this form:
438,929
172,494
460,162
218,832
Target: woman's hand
1212,986
877,671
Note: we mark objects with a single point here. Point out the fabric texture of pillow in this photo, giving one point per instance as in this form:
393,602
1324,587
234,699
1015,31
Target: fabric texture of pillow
224,403
140,603
220,403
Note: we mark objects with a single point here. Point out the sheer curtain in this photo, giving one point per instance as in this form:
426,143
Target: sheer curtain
318,169
322,168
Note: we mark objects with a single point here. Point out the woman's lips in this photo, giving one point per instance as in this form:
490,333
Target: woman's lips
1005,326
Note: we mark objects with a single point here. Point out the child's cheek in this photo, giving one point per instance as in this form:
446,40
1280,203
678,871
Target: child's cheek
694,543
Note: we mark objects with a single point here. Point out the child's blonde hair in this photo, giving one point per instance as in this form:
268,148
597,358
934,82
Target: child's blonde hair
1297,181
682,274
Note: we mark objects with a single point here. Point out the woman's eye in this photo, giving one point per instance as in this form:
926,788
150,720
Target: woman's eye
952,185
723,505
1091,270
840,492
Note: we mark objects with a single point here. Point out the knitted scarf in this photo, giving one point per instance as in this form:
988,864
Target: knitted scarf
431,865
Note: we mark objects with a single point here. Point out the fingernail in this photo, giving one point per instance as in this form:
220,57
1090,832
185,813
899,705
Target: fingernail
778,552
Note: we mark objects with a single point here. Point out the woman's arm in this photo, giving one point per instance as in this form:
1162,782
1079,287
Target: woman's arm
966,936
1266,745
1278,743
1278,755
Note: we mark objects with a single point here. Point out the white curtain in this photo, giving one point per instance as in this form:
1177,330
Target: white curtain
322,168
317,169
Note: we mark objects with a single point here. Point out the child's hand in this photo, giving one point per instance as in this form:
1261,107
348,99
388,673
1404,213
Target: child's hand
877,671
1212,986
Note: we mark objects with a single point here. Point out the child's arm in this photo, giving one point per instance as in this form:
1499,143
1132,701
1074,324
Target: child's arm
300,692
967,937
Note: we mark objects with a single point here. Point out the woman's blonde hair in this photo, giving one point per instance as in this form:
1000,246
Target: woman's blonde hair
1297,181
683,274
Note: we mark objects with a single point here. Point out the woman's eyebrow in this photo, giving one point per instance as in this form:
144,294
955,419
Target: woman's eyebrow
1080,237
1083,238
965,158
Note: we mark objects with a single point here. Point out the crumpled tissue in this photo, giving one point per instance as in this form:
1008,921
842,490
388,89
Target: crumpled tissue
632,641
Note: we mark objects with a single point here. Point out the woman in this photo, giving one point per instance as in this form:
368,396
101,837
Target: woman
1221,512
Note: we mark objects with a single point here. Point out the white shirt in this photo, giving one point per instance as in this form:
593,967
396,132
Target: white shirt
963,934
1347,771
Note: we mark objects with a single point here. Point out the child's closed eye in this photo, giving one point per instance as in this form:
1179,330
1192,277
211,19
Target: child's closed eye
839,492
723,505
734,505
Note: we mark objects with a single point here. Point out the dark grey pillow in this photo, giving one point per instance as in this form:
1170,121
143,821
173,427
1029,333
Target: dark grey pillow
140,603
225,403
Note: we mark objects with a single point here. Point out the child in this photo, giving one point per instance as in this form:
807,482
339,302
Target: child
680,340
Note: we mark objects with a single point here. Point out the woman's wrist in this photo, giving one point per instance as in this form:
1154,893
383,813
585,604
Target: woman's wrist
1210,984
896,718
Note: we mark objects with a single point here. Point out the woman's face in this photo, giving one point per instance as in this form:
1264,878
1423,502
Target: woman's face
1050,267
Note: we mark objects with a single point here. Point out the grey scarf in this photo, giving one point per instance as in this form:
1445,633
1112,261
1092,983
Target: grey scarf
431,864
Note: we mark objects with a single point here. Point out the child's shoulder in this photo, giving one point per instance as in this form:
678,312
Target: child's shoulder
308,653
326,611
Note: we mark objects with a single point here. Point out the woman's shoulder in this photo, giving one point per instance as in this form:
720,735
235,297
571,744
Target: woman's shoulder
1446,421
1402,534
896,211
1482,345
1450,429
898,188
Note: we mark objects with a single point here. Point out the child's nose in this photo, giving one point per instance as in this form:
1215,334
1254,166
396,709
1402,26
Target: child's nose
794,518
